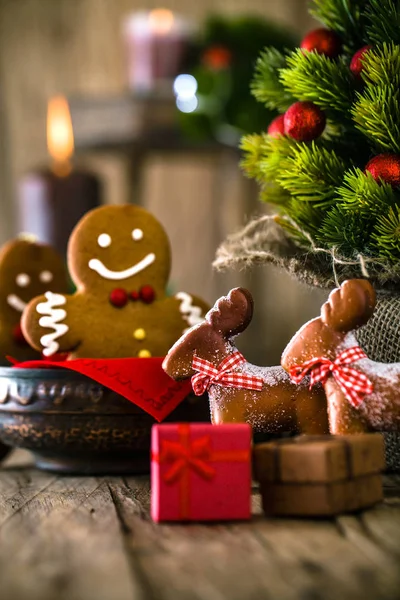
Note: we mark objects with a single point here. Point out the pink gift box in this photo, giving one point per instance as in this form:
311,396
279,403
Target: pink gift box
200,472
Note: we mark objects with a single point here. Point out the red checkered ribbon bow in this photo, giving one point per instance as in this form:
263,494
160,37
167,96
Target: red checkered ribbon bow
223,375
355,385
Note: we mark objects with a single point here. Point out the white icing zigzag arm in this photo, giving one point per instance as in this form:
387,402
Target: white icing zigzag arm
192,314
52,320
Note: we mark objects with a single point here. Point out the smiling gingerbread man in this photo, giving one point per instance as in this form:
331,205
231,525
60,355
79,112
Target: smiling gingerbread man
119,259
27,269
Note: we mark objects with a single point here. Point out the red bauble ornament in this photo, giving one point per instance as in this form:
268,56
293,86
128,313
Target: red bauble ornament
304,121
356,65
277,127
385,167
217,58
147,294
118,297
323,41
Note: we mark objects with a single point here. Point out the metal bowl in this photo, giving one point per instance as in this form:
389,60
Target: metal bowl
72,424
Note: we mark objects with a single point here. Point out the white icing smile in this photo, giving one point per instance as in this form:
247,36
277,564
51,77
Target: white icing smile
15,302
96,265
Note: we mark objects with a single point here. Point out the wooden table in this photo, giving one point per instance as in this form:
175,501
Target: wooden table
87,538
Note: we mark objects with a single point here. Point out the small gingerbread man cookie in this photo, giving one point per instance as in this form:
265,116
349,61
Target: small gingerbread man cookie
26,270
119,259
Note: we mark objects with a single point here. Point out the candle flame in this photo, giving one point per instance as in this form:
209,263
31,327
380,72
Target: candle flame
161,20
60,136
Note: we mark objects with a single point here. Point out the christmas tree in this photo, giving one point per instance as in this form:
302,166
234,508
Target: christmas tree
330,162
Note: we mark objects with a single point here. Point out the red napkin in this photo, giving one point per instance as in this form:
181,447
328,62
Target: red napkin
139,380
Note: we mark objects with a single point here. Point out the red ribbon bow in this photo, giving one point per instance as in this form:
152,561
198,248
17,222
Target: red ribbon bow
354,385
183,457
223,375
119,296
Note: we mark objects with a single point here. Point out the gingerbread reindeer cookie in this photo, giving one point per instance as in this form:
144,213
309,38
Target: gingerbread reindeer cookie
362,394
26,270
119,259
264,397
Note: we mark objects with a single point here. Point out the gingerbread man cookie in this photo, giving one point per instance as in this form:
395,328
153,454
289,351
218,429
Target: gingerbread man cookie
119,259
26,270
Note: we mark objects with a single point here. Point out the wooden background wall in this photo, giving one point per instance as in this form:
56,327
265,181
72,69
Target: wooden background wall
75,47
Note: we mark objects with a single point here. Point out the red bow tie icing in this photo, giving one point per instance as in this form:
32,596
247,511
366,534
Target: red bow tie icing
223,375
119,297
354,385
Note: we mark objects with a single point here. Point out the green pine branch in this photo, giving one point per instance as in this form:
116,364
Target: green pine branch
254,148
382,65
312,173
266,86
314,77
265,159
273,193
347,232
360,193
343,16
377,116
308,216
386,234
382,21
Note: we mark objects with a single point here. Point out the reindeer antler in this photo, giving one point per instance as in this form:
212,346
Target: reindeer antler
349,306
231,314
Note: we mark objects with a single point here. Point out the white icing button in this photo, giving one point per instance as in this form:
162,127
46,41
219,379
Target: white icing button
46,276
104,240
22,280
137,234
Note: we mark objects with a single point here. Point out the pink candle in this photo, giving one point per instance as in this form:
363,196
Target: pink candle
155,43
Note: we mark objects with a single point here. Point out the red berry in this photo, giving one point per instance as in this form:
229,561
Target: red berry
304,121
276,127
356,64
147,294
323,41
385,167
118,297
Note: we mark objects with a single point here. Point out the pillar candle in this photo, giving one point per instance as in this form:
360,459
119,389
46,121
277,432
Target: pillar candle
51,200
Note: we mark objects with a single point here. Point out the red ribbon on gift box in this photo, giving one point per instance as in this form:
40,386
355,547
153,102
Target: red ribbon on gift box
186,456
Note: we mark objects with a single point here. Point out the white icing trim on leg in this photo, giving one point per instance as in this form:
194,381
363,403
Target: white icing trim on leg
52,320
191,313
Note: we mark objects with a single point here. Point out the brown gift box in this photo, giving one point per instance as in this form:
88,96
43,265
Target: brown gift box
320,475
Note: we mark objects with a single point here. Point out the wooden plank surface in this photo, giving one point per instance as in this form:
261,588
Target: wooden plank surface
87,538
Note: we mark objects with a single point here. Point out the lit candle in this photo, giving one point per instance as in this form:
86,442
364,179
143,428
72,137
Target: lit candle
52,200
155,42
